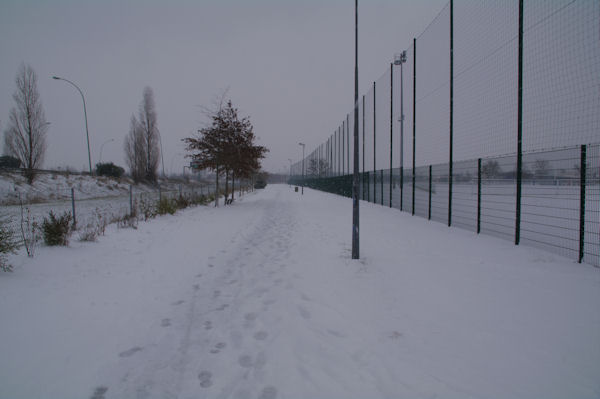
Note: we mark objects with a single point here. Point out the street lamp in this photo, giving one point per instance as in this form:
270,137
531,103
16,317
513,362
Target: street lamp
87,135
399,59
102,147
303,145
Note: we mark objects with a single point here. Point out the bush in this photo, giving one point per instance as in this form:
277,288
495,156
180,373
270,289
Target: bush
94,228
165,206
109,169
182,202
57,229
7,161
127,221
147,208
8,244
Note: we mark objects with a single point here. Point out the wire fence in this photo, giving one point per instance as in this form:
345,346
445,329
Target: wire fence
488,121
89,210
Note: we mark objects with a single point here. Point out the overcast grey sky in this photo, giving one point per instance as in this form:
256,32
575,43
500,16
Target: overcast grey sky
288,65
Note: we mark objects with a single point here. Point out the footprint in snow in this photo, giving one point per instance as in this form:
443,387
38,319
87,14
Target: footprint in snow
250,316
245,361
223,307
130,352
269,392
208,325
218,347
179,302
304,313
165,323
99,393
205,378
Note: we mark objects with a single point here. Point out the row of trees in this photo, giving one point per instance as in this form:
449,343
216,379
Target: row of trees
26,130
226,146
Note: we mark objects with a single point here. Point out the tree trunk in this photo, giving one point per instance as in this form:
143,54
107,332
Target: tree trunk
217,190
226,185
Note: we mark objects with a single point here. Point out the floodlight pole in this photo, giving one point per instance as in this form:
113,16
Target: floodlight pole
355,210
87,135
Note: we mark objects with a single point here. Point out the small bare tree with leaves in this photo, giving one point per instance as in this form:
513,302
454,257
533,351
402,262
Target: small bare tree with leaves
25,134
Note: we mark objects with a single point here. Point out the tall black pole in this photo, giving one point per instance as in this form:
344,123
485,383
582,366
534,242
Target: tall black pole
348,141
343,147
391,125
450,171
519,127
374,142
414,120
355,213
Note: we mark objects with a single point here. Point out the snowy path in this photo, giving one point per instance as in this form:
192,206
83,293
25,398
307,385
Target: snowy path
262,300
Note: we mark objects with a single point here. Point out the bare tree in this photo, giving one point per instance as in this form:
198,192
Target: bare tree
25,134
149,129
141,145
135,154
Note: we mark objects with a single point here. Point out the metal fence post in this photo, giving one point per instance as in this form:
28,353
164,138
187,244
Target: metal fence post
391,126
381,177
401,187
582,183
374,142
429,211
519,127
450,171
73,207
478,195
368,186
414,120
130,200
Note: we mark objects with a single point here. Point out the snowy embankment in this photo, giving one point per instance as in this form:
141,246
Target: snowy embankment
261,300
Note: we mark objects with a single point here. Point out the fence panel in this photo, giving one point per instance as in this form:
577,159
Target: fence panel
464,195
460,89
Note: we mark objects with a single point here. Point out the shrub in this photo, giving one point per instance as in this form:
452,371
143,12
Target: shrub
56,230
165,206
8,244
94,228
147,208
109,169
182,202
29,230
130,221
7,161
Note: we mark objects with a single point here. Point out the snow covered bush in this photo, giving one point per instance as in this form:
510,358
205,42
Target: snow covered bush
57,229
8,244
148,208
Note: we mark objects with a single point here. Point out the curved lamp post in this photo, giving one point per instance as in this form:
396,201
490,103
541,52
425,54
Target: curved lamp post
87,135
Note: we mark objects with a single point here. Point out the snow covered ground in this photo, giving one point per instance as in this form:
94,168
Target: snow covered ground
261,300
